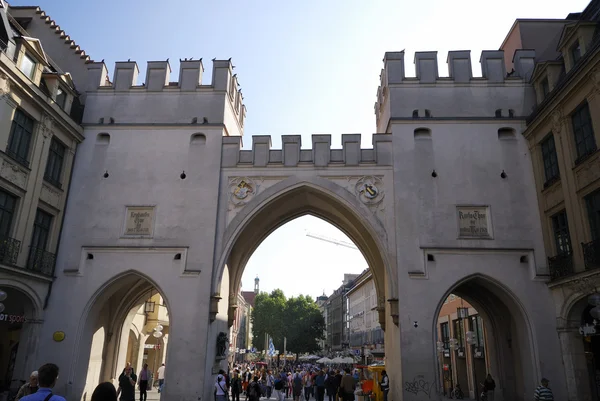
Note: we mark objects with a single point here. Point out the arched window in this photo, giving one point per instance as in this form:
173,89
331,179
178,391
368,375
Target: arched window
198,139
422,133
103,138
506,133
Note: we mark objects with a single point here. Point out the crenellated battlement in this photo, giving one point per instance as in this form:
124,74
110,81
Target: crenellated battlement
429,95
459,67
209,97
320,155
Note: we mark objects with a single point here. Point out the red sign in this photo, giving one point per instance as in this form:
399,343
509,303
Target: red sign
446,367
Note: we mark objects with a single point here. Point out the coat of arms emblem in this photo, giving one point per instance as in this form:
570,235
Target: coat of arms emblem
369,190
242,189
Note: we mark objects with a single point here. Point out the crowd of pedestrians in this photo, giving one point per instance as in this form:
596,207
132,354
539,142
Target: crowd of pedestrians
305,381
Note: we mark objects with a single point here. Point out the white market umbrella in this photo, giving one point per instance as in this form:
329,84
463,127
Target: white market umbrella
324,360
347,360
313,357
337,359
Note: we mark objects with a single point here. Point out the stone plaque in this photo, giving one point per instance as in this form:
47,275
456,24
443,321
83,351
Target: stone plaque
139,221
474,222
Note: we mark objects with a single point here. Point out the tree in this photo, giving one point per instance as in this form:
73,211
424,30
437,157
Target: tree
267,318
305,325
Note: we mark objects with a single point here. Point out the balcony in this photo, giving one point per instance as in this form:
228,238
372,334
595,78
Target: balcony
591,254
41,261
9,250
560,265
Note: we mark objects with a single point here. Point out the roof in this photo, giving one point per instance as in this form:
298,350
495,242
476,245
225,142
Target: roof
249,296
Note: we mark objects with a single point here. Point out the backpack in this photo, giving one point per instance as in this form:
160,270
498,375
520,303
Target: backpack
252,393
297,380
278,384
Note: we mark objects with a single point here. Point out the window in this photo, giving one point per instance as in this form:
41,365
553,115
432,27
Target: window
20,137
545,87
575,52
56,157
550,160
584,133
592,202
477,329
459,332
41,230
7,209
28,66
445,335
61,98
562,238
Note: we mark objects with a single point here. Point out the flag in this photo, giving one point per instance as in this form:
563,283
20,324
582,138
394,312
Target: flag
271,347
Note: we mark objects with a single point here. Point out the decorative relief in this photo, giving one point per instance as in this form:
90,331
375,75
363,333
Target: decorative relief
51,196
557,121
47,125
4,84
589,171
369,190
242,190
12,173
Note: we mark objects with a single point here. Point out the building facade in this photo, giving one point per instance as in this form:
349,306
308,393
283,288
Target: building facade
461,347
441,204
364,331
39,132
563,134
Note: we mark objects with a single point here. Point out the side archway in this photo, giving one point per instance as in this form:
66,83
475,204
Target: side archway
103,336
509,350
293,198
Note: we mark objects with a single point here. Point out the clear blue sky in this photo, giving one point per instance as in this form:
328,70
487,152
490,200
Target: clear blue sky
305,67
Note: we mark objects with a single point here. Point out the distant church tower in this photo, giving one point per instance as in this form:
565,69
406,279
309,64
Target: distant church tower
256,280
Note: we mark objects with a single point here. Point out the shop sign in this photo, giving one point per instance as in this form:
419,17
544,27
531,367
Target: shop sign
12,318
587,330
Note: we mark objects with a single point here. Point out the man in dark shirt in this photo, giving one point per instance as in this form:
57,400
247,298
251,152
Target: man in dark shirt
127,385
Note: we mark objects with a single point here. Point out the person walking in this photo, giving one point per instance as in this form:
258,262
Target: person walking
28,388
543,392
220,388
297,383
144,376
330,385
385,385
236,386
320,386
279,387
308,385
489,385
270,382
253,390
127,381
104,392
47,375
160,374
347,386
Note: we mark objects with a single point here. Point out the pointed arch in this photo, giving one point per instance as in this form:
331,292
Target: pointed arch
506,316
295,197
134,286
